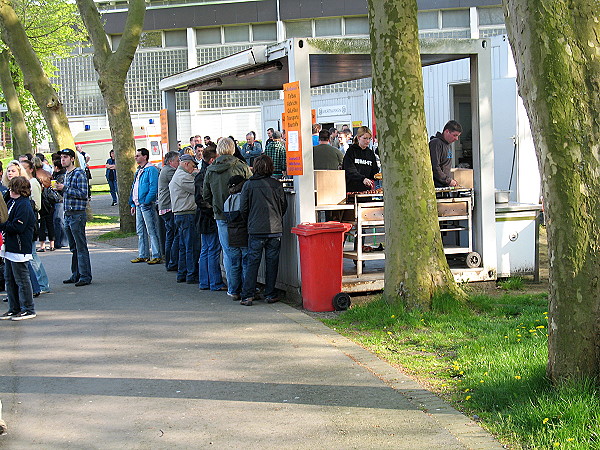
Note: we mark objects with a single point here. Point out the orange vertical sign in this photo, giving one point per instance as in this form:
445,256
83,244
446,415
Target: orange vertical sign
313,114
164,129
291,101
283,122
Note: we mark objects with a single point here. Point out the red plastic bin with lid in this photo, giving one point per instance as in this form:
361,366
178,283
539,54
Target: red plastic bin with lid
321,247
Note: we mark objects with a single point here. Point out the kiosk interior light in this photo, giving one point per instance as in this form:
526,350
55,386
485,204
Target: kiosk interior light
260,70
215,82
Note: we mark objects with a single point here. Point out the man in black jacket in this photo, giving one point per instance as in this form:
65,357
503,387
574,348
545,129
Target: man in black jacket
440,151
263,205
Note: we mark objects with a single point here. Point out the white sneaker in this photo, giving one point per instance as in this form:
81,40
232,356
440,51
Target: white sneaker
24,315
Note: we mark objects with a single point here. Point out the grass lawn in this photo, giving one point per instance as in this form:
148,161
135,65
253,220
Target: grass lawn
488,358
115,235
100,189
100,220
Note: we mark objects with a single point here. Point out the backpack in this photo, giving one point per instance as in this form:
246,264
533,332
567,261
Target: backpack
236,225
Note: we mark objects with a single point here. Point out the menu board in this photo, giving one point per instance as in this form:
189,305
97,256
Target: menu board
291,101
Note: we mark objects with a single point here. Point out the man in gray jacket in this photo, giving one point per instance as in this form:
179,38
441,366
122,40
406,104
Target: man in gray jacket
183,204
165,211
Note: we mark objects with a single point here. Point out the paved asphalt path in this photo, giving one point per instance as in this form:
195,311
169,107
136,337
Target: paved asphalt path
138,361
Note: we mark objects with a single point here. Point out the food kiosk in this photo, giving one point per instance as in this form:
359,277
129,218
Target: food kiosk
306,63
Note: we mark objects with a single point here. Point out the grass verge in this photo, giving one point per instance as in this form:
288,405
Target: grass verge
98,220
512,284
100,189
488,358
115,235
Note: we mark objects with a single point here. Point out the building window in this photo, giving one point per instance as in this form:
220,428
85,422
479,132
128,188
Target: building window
264,32
151,39
456,18
238,33
328,27
357,25
428,20
206,36
490,16
176,38
299,29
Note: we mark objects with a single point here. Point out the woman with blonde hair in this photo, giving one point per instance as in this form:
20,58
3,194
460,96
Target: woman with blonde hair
15,169
360,163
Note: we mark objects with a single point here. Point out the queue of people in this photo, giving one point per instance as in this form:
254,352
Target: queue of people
211,200
214,200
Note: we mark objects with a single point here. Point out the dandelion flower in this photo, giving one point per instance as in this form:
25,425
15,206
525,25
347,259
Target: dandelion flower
485,374
518,335
389,332
545,421
468,397
505,337
557,444
481,381
467,390
517,377
393,316
541,327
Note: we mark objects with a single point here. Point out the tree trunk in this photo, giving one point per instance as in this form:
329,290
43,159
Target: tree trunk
112,68
415,265
556,48
21,140
34,77
121,129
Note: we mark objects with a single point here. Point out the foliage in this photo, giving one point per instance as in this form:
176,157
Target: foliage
488,358
51,26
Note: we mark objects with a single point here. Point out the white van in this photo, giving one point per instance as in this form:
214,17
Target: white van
98,144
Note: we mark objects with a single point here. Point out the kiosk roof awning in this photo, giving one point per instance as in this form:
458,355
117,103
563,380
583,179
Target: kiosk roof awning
265,67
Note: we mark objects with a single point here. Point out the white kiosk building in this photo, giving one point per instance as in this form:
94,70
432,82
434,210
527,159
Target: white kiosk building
318,62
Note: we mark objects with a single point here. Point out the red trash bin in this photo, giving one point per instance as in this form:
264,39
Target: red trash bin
321,247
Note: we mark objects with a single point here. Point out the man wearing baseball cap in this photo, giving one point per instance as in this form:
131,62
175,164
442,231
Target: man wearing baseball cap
75,197
183,204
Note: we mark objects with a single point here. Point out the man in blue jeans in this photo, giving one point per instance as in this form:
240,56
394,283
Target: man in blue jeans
183,204
142,200
75,197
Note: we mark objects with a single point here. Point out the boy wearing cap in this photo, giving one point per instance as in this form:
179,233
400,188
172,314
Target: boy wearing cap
75,197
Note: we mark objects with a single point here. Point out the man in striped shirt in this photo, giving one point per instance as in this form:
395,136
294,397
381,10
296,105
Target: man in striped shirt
75,197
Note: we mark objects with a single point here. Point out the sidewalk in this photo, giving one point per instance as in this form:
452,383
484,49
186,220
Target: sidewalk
136,360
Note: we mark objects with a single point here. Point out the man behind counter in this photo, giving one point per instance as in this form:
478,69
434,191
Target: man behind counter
440,151
325,156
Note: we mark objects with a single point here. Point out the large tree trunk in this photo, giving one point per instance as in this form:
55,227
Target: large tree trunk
34,77
415,265
556,48
112,68
21,140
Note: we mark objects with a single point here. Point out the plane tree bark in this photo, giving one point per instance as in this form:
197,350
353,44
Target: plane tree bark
415,265
556,47
21,140
34,76
112,68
